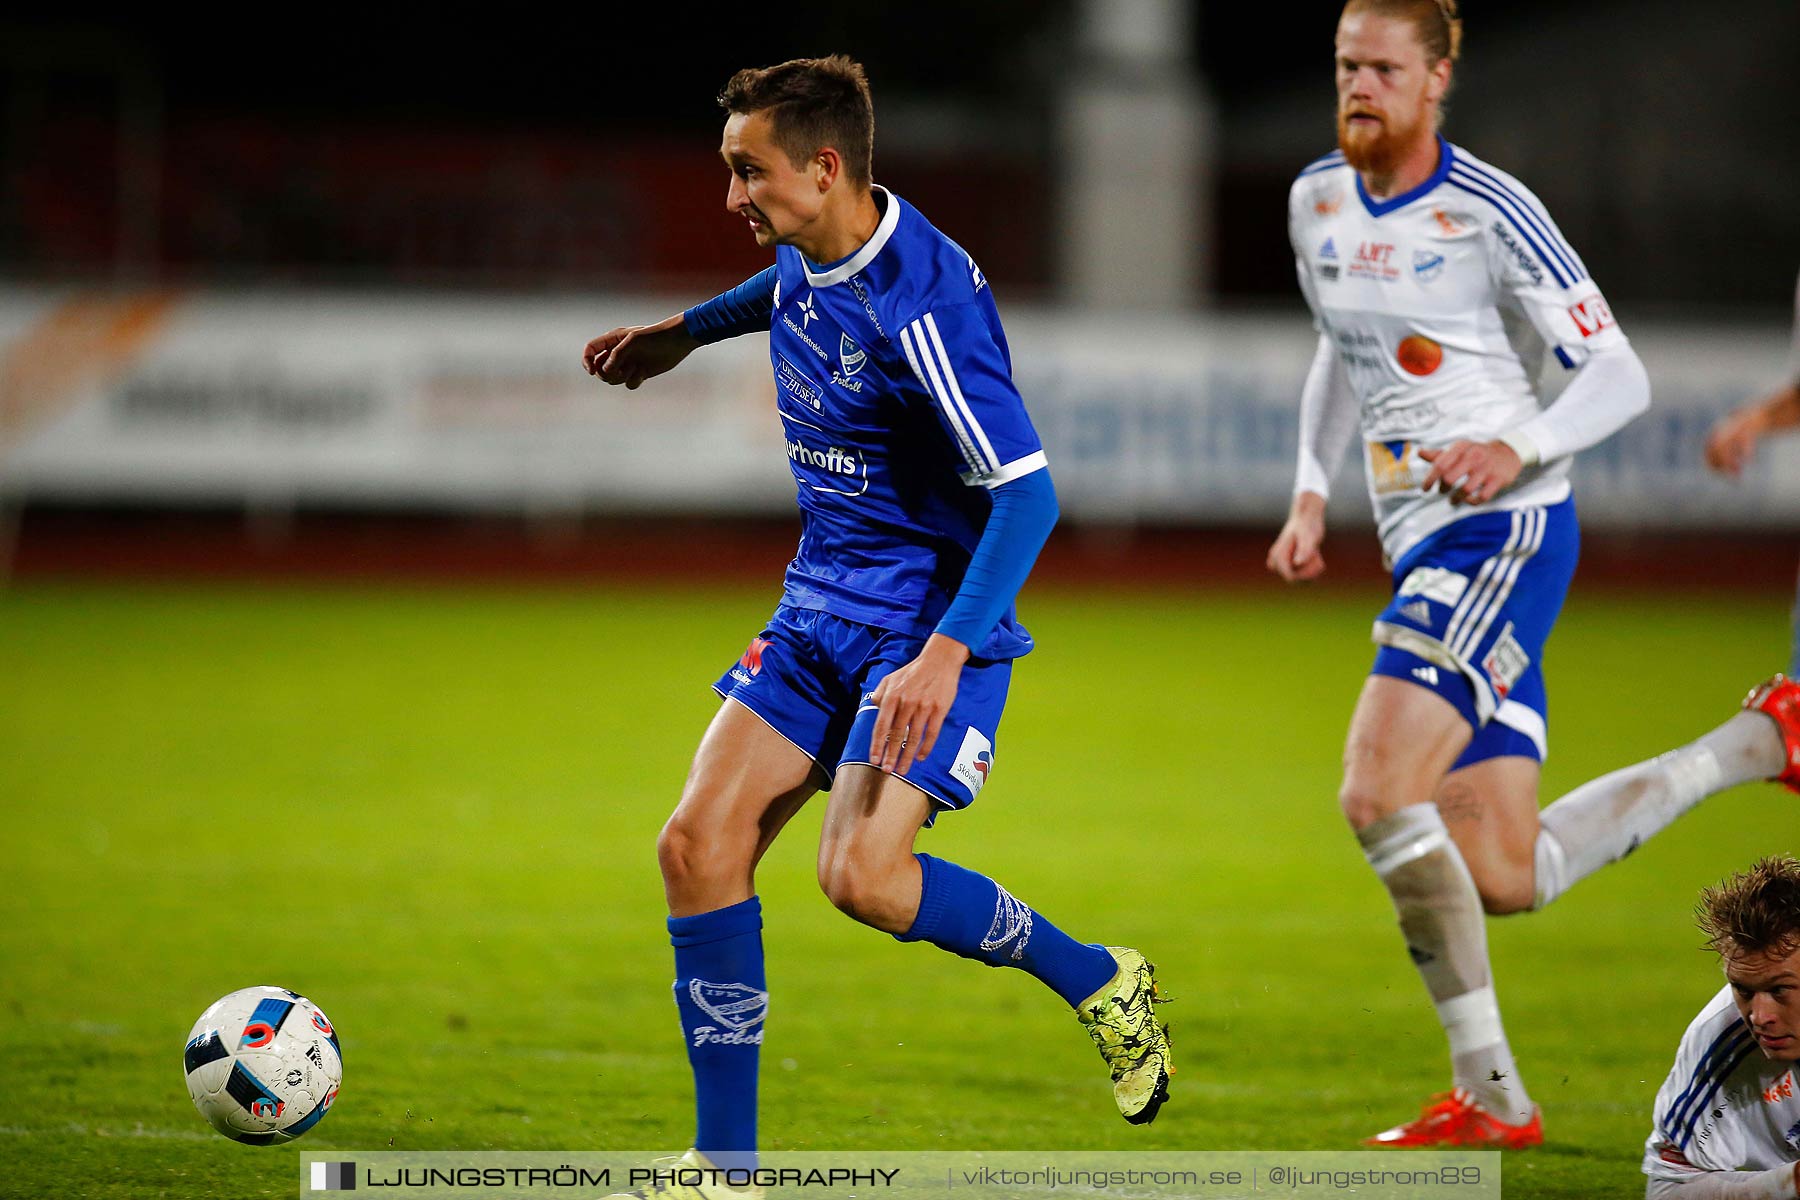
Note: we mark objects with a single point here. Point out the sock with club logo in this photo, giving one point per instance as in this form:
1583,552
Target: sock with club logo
969,914
722,995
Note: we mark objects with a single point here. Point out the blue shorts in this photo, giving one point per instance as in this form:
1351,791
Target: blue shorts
809,676
1473,606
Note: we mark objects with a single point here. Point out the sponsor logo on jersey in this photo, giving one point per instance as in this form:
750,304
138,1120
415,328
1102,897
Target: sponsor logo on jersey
1011,923
1391,467
807,312
804,337
1435,583
1426,675
851,357
1374,260
973,762
835,459
1427,265
738,1007
1418,612
862,294
1419,355
1505,662
750,665
1592,315
797,384
1783,1089
1453,224
1526,261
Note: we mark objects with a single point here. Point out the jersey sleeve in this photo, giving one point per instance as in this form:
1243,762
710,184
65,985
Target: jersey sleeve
1541,273
1693,1131
960,360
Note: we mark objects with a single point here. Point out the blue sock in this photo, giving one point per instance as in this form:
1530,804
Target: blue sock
723,996
971,915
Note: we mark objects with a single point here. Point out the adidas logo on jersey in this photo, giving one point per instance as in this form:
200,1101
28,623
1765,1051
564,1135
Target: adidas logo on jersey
1426,675
1419,612
1328,250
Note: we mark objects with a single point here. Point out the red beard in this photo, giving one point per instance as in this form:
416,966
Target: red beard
1375,149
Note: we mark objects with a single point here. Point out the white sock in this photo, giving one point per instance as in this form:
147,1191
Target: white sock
1602,821
1446,934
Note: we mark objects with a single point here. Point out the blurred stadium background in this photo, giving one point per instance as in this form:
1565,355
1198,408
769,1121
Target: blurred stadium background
305,304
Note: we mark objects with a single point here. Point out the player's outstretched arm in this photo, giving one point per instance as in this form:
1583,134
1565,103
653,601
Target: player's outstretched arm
1732,442
631,354
1295,556
634,353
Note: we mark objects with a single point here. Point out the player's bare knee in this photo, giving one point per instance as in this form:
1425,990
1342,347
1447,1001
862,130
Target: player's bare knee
859,896
861,883
690,857
1362,800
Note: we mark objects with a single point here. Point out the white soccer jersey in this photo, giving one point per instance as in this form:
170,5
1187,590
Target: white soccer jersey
1724,1106
1441,305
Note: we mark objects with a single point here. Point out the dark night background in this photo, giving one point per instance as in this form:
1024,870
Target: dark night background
545,148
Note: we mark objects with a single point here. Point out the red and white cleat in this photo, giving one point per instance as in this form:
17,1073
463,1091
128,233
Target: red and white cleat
1779,699
1454,1119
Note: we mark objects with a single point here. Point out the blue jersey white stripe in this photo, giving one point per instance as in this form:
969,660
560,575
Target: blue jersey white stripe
894,385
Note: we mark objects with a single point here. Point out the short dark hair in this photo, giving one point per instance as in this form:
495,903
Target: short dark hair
1755,911
812,103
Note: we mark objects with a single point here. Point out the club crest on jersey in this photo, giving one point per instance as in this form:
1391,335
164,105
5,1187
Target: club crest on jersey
850,356
1427,265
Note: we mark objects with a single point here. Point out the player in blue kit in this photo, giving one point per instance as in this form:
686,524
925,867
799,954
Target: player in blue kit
924,500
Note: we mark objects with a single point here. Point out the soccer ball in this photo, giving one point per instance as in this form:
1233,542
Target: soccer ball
263,1065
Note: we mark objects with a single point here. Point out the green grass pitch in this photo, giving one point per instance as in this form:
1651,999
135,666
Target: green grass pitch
433,811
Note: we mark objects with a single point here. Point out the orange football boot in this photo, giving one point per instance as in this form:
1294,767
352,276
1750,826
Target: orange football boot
1780,699
1454,1119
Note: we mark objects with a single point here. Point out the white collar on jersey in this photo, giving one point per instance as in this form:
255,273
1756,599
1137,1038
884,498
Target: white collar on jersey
890,220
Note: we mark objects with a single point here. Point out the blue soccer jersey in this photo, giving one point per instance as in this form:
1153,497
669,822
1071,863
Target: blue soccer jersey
895,390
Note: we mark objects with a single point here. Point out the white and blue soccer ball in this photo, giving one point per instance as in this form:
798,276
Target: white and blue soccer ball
263,1065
